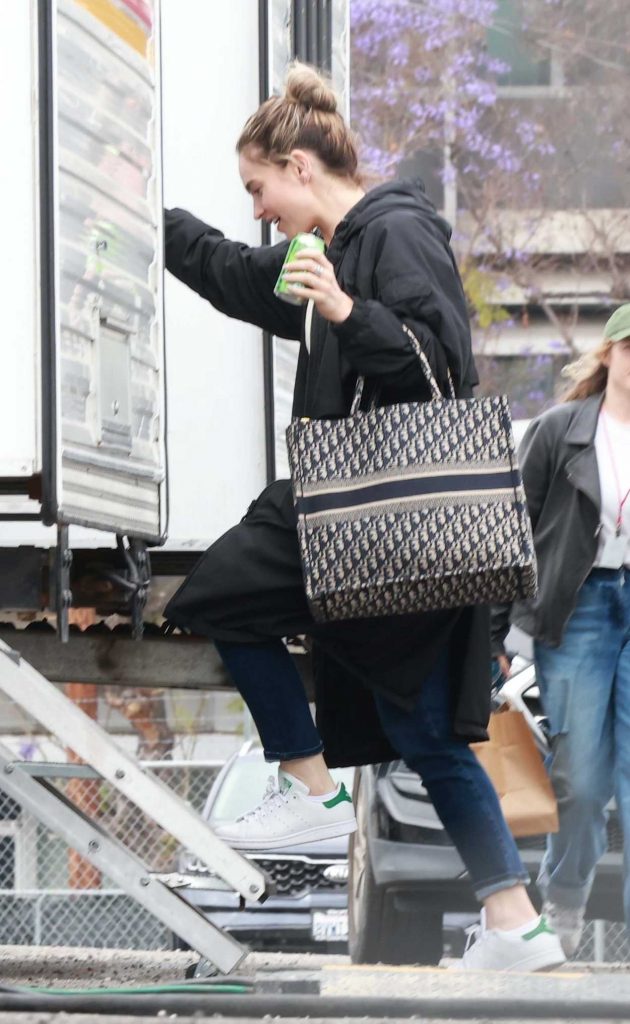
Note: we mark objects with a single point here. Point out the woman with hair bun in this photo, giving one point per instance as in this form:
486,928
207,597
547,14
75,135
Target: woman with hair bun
576,471
415,687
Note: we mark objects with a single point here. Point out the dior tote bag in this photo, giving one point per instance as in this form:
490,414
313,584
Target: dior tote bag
410,507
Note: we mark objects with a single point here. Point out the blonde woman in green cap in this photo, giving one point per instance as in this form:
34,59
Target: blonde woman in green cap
576,470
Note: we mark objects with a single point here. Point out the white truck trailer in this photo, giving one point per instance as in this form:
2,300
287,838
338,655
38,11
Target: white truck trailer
131,415
129,409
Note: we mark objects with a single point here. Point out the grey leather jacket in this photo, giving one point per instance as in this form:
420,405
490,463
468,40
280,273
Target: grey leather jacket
561,478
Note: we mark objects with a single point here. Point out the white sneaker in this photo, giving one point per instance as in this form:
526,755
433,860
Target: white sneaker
567,922
288,815
535,948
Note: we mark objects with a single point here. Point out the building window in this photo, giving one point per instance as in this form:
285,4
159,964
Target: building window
506,42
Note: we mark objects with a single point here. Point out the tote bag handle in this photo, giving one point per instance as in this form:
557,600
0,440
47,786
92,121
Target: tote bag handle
436,394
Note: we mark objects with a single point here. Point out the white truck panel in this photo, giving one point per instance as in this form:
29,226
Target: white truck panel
214,364
285,353
19,275
216,447
107,211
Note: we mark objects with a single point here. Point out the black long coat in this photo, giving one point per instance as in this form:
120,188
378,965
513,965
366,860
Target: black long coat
391,254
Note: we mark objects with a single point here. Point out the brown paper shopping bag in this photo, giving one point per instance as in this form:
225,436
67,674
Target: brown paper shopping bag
514,764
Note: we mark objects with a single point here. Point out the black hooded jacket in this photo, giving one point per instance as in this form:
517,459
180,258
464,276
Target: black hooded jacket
391,254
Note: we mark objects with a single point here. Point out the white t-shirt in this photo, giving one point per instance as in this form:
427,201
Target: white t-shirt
612,448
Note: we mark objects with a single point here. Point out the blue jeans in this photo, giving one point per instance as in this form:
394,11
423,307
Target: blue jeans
585,690
460,790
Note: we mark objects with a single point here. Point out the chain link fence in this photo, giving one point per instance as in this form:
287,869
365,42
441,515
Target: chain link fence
97,918
604,942
50,895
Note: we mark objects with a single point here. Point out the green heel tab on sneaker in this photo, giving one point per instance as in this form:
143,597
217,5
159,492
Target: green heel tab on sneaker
342,796
541,928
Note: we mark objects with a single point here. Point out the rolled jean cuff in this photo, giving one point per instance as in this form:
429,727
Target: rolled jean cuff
485,889
568,897
293,755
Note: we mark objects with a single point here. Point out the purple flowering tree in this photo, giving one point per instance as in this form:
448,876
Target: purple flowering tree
422,77
530,141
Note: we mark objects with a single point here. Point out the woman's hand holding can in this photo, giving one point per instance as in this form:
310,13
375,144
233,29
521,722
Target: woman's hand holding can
312,276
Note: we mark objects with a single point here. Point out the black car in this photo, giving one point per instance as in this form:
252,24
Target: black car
409,893
307,910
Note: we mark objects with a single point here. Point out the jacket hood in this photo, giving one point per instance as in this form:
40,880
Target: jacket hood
394,195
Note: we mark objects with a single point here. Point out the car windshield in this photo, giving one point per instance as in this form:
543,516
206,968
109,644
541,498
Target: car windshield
245,784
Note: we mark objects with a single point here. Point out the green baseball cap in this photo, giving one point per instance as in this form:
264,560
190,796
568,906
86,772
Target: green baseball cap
618,325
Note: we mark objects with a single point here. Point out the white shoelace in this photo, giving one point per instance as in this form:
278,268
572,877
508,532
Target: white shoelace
272,797
475,931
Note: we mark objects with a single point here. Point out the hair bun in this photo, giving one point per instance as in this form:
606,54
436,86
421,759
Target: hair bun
305,116
307,88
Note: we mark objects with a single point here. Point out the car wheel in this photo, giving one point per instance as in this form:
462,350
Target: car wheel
378,930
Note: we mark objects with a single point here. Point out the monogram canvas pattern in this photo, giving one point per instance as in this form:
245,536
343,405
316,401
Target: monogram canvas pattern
453,430
409,508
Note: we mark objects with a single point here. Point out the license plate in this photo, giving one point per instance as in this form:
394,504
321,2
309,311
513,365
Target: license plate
330,925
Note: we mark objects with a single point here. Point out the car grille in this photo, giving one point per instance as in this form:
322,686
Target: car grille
296,875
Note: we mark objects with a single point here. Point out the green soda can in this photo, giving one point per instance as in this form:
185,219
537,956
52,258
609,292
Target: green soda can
297,244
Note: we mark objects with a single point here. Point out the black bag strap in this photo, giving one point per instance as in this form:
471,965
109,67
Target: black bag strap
436,394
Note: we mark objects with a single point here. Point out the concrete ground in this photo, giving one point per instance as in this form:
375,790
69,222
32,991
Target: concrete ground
311,980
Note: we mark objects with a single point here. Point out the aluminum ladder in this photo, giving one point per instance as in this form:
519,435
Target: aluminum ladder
27,783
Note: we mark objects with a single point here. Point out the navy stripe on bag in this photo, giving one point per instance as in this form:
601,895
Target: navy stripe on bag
414,487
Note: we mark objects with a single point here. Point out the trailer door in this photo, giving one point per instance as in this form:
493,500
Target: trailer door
104,461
